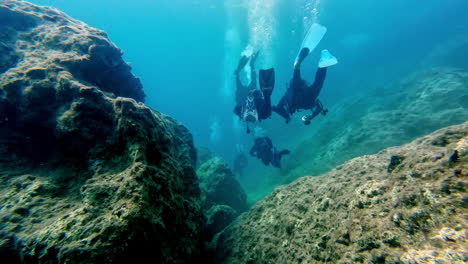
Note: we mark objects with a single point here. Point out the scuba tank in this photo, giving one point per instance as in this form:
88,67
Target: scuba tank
249,111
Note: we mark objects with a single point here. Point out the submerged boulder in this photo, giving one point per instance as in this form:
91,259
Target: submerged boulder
223,198
220,187
86,176
362,212
217,218
38,43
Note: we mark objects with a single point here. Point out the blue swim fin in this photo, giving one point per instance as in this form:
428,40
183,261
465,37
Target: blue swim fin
313,37
327,59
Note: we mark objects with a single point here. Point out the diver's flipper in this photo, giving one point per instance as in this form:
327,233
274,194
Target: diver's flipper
267,81
242,62
327,59
313,37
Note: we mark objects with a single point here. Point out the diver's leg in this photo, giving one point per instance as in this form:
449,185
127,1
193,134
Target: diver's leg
296,80
242,62
253,78
296,85
316,87
302,55
253,73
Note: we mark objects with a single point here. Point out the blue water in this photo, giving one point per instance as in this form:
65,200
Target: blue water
185,51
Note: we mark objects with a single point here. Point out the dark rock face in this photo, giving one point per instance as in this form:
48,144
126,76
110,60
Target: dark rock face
361,212
220,187
223,197
85,176
217,218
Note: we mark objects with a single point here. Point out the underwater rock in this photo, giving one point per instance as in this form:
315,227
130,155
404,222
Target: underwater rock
217,218
220,187
40,44
361,213
223,199
418,105
86,176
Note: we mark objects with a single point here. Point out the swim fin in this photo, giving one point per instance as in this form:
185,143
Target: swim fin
327,59
267,81
313,37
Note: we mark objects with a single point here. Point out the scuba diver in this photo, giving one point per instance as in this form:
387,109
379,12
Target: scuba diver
299,95
263,149
252,104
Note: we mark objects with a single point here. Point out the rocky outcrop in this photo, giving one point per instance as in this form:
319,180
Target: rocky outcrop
86,176
40,43
223,197
405,204
382,118
219,186
217,218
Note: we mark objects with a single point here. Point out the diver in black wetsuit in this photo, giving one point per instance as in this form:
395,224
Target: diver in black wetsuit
299,95
263,149
252,104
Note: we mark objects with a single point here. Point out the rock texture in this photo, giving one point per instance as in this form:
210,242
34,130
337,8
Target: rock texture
223,197
382,118
219,186
86,176
405,204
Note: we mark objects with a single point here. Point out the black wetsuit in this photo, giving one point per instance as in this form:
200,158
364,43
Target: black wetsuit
263,149
302,96
261,101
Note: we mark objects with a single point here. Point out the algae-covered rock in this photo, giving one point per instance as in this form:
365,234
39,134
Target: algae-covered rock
220,187
223,198
39,42
362,212
85,176
217,218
